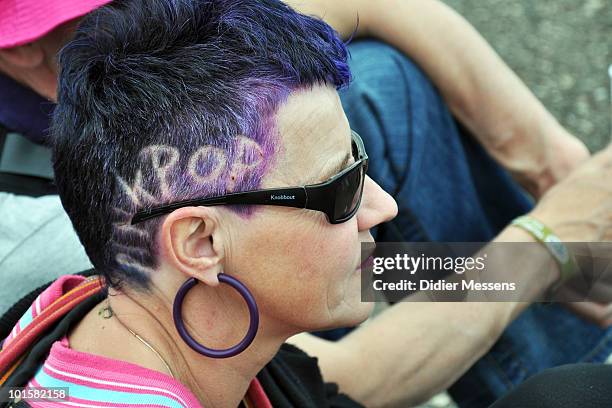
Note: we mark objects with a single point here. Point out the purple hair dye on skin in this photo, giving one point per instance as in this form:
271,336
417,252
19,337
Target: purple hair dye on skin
166,100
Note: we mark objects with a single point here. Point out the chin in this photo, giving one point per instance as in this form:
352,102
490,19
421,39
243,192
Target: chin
362,312
353,315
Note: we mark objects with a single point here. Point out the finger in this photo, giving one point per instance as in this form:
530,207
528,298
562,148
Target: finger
598,313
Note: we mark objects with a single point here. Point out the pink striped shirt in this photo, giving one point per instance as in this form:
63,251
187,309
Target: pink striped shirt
97,381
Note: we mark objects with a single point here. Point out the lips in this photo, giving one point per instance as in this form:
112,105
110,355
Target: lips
369,259
368,262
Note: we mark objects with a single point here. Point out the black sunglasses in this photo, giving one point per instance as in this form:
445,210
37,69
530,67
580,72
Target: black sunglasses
339,197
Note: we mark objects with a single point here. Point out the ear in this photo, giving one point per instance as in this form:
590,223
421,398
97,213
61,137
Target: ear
193,242
24,56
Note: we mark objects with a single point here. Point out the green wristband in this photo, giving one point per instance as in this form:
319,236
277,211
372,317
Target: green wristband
551,241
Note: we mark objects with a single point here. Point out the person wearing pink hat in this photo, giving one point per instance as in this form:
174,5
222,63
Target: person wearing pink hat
31,34
28,58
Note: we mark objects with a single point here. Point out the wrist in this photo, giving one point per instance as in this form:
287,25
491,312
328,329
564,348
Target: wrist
561,153
541,233
551,272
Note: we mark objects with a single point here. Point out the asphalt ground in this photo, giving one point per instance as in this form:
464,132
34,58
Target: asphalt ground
561,49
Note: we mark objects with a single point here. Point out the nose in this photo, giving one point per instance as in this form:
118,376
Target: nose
377,206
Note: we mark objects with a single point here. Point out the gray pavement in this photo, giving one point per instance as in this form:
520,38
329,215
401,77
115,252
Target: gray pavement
561,49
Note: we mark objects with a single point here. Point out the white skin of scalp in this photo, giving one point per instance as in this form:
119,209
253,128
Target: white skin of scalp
246,147
128,261
203,153
163,158
240,166
156,153
138,195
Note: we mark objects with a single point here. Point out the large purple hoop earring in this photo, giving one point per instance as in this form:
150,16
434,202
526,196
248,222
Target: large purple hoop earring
215,353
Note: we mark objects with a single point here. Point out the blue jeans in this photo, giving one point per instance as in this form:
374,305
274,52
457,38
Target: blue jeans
449,189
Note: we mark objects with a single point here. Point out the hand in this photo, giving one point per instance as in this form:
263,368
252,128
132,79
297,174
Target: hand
564,153
579,210
597,313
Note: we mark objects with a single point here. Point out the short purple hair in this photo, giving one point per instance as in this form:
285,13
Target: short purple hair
165,100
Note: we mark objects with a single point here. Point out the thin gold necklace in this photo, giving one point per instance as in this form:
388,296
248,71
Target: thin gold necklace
107,313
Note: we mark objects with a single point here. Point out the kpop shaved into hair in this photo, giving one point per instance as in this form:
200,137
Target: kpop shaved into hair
167,100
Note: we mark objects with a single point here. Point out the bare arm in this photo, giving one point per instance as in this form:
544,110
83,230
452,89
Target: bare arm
478,86
414,350
410,352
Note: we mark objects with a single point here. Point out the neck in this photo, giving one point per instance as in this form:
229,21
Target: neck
216,324
42,79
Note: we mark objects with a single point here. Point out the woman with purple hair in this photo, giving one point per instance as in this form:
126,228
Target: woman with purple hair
204,158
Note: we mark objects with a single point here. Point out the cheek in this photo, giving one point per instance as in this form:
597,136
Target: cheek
326,254
334,293
300,275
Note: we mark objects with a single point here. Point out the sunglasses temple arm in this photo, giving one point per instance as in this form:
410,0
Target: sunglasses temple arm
288,197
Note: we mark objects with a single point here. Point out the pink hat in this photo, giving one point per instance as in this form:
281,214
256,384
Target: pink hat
23,21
